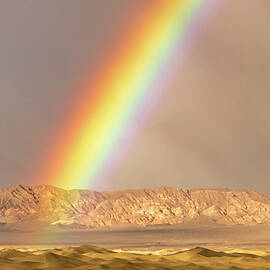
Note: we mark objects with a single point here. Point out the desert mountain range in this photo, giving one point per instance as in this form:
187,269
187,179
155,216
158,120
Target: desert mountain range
165,205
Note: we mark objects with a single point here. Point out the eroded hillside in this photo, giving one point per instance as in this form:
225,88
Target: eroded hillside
163,205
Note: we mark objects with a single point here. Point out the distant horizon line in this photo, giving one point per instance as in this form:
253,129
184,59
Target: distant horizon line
132,189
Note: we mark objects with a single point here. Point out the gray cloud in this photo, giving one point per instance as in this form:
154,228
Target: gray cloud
211,128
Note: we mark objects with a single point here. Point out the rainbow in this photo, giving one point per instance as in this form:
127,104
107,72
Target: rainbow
115,93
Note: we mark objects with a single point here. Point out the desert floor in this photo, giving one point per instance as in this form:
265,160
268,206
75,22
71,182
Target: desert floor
175,237
182,247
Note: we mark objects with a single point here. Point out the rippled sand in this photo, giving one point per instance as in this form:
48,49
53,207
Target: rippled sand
90,257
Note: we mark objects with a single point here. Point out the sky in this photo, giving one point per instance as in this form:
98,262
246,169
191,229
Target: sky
210,129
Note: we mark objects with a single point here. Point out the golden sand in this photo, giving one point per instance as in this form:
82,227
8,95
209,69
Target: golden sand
90,257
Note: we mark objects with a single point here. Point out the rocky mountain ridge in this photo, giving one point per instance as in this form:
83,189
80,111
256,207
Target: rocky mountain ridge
165,205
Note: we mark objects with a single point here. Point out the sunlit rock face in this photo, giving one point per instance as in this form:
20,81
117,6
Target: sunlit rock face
54,206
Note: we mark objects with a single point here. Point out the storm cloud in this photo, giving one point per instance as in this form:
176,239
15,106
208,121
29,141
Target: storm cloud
211,128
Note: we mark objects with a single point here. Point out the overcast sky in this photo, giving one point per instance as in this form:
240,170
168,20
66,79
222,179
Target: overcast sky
211,129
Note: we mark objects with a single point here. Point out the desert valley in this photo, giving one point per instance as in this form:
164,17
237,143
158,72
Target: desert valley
44,227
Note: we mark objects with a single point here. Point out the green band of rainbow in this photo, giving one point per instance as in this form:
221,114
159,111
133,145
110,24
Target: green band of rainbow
114,92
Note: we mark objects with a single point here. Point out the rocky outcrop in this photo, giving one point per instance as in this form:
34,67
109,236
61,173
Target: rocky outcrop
163,205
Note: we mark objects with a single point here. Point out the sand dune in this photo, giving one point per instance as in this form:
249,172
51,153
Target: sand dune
90,257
